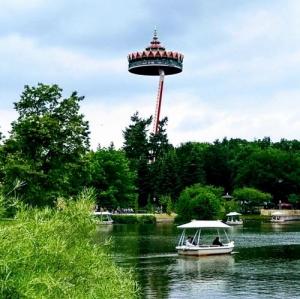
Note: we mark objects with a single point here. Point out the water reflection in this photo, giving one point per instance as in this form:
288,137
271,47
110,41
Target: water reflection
198,266
104,228
266,263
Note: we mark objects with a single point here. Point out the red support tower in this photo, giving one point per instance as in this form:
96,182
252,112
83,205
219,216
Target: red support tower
155,61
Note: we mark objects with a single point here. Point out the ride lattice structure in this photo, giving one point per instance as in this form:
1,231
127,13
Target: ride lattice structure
155,60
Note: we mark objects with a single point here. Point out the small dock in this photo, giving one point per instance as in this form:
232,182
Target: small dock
269,212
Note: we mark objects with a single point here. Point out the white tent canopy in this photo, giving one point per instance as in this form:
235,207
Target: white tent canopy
233,214
101,213
277,214
204,224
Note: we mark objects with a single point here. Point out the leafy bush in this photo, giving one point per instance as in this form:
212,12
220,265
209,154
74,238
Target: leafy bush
49,254
230,206
124,219
294,198
198,202
149,219
2,206
250,198
133,219
166,202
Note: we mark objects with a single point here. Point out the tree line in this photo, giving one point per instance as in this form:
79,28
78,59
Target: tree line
47,155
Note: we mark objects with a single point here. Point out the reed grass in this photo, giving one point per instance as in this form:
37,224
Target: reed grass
48,253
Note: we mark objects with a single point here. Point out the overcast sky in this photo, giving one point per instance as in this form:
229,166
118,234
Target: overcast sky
241,70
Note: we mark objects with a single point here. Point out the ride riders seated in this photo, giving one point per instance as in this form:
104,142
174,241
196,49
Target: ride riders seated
189,241
217,242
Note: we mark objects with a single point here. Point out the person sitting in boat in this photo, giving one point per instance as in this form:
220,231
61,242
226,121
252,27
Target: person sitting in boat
217,241
189,241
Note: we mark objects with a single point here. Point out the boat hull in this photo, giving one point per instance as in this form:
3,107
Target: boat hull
104,222
205,250
240,222
280,219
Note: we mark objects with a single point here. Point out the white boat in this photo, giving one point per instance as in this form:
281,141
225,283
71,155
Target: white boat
103,217
280,217
195,246
233,218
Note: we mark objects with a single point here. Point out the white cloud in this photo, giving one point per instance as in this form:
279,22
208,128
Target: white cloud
20,5
30,58
276,117
247,27
255,70
107,121
191,119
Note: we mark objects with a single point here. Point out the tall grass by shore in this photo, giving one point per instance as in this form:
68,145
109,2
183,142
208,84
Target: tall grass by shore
49,253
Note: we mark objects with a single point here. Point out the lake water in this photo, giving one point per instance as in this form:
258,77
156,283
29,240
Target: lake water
265,262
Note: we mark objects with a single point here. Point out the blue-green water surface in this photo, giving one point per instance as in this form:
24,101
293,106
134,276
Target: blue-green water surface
265,262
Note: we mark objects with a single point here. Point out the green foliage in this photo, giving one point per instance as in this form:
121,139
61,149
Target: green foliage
112,178
9,201
136,203
133,219
165,179
2,206
48,253
294,198
136,144
147,219
158,143
136,147
46,145
150,206
217,165
269,169
251,197
166,202
125,219
140,148
231,206
198,202
190,158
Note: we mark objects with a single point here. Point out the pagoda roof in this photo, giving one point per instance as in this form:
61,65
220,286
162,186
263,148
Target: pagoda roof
155,50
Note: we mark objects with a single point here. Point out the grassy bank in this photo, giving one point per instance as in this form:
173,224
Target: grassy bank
255,217
133,218
48,254
143,218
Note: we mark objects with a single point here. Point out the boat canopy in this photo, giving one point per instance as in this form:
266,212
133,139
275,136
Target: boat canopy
233,214
102,213
204,224
277,214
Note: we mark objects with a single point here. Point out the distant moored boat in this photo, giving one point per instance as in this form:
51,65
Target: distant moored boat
233,218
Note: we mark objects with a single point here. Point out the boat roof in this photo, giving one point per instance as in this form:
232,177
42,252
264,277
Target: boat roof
277,214
233,214
204,224
102,213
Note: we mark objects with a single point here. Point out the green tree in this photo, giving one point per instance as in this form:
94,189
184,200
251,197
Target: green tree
112,178
198,202
270,169
294,199
191,163
165,178
159,143
166,202
47,144
136,147
217,165
251,198
136,144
